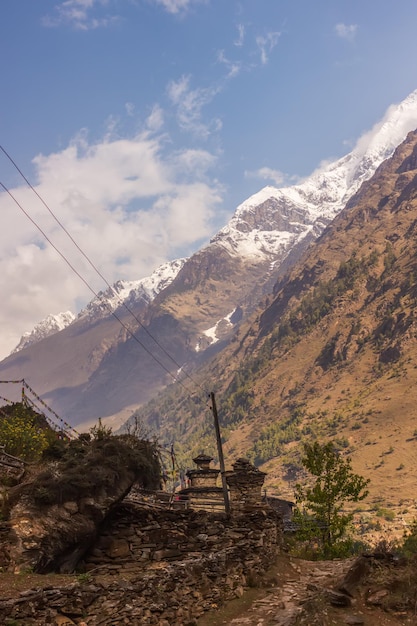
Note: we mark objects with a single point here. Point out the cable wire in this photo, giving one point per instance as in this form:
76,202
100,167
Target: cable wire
132,335
95,268
52,423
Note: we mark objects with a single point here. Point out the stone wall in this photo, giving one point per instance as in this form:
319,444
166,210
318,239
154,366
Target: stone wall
159,567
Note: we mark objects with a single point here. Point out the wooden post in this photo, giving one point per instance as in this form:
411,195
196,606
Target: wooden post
220,452
173,467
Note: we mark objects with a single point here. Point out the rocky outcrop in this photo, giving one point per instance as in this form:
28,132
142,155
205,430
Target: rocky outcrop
59,512
55,538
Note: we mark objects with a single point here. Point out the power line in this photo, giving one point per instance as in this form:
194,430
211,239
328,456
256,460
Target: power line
95,268
35,407
25,400
29,388
132,335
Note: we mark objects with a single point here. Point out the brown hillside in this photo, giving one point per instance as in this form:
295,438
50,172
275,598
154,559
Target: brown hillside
95,369
333,354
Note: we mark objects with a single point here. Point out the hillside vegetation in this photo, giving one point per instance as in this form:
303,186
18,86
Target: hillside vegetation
331,354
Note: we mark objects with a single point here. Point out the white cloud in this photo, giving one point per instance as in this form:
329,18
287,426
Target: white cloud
177,6
189,104
266,44
82,14
233,67
398,121
176,89
78,14
155,120
267,173
128,203
241,35
130,109
346,31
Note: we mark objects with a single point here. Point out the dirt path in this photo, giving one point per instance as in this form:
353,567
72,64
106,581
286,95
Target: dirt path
297,596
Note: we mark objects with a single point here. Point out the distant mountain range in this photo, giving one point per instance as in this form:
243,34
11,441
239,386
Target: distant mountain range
123,294
192,307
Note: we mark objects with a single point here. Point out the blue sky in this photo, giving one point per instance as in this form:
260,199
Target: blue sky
144,123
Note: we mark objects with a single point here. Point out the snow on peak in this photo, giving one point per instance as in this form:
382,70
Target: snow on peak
387,134
49,326
123,291
273,220
127,292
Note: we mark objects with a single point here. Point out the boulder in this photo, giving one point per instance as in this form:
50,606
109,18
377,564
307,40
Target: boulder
58,513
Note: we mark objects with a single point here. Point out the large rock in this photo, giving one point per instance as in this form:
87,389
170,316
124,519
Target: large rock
58,513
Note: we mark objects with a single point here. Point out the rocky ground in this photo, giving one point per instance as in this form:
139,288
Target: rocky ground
301,593
295,592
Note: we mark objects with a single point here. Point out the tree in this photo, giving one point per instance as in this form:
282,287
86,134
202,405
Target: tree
23,432
320,506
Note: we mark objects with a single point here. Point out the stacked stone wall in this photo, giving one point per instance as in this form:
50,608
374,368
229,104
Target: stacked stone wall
158,567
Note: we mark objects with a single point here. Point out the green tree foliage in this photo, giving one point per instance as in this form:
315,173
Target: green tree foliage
409,544
320,506
23,432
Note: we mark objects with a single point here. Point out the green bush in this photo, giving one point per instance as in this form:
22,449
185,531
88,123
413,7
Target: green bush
387,514
409,544
23,432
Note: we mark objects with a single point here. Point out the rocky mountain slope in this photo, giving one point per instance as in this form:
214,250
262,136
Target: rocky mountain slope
49,326
120,295
331,355
96,368
70,357
134,293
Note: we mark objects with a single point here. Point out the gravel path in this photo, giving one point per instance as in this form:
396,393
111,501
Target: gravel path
282,605
299,596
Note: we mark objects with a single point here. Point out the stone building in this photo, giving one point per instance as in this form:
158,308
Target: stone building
203,492
244,483
245,486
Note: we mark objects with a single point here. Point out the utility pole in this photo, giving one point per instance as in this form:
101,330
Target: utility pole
220,453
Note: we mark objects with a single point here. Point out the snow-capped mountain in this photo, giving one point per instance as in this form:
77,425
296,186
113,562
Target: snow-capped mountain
49,326
271,222
190,308
338,336
125,292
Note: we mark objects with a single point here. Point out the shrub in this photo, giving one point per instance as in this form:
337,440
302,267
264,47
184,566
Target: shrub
23,432
409,545
319,510
86,468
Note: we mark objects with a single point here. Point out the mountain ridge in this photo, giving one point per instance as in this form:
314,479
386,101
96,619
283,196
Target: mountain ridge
46,327
122,293
332,354
211,294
